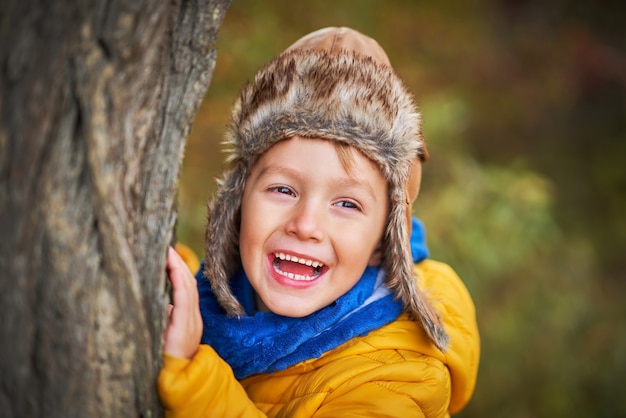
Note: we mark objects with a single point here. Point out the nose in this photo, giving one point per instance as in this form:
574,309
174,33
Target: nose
306,221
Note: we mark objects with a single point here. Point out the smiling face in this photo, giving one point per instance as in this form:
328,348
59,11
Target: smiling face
309,227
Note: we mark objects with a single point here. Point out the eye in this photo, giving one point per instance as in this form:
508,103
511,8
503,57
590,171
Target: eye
282,190
348,204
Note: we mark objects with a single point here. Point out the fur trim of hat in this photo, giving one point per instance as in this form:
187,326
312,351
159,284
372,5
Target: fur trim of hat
343,96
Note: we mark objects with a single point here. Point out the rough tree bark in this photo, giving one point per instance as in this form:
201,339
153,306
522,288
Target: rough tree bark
96,100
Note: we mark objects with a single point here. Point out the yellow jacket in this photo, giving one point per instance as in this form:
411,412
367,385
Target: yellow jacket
394,371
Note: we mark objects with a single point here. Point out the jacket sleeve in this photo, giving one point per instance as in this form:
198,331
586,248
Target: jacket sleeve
202,387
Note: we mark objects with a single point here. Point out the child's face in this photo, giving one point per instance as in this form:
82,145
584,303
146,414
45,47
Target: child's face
300,202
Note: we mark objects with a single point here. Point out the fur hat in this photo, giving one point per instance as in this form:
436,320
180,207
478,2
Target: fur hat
334,84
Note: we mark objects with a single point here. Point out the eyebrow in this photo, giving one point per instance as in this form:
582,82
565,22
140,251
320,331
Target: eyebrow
352,182
272,169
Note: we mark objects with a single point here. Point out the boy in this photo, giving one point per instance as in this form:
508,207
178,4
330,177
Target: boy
313,307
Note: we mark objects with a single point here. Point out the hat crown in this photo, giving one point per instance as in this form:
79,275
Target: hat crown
335,40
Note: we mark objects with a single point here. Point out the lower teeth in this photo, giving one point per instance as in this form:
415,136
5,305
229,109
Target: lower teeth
316,272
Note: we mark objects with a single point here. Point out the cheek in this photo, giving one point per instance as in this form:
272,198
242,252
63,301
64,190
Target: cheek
250,243
248,211
246,226
358,247
255,226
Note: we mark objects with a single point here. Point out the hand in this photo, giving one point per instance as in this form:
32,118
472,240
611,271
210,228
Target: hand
184,329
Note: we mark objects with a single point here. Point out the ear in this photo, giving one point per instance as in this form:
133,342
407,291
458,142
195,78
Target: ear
376,259
412,189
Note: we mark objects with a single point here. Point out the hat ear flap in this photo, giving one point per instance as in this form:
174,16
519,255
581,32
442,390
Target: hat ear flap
401,276
222,238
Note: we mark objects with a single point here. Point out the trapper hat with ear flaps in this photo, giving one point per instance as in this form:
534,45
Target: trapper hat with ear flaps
334,84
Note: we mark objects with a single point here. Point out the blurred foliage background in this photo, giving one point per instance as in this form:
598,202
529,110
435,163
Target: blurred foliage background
524,112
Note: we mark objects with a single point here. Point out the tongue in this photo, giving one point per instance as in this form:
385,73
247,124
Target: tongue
296,268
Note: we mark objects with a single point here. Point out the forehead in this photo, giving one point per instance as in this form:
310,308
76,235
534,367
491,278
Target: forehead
348,155
320,156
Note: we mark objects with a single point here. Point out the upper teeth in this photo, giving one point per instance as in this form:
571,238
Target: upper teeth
295,259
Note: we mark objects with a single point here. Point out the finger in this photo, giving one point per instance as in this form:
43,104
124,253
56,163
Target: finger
178,271
174,261
184,285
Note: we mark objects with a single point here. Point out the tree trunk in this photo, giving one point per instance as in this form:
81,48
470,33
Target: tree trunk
96,100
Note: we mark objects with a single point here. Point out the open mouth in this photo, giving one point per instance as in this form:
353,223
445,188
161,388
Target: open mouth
296,268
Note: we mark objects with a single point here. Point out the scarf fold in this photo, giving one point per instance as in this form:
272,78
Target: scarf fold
263,342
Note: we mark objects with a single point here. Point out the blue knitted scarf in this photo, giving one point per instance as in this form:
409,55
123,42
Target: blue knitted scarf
263,342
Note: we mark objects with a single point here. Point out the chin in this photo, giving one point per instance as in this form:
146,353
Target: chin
290,312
